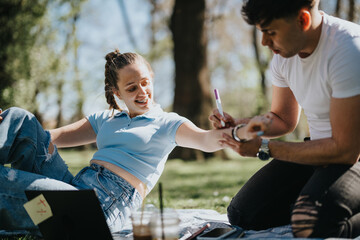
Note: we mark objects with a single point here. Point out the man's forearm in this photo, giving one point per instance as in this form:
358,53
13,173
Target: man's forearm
276,128
315,152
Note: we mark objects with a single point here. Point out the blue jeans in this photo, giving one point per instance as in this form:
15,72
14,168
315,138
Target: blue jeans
24,145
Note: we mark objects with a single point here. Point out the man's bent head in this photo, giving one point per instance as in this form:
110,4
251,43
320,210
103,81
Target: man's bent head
263,12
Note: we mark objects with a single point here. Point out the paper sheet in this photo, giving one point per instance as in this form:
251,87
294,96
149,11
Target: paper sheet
38,209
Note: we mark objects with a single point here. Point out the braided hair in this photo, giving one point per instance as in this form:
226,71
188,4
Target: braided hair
114,62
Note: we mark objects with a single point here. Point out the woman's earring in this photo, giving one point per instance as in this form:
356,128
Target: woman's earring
120,102
116,93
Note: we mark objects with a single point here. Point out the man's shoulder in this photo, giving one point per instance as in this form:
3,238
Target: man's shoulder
341,27
340,37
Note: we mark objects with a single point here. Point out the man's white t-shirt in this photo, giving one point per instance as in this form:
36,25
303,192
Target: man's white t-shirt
332,70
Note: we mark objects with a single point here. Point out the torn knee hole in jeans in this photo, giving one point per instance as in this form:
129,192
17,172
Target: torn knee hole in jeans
11,175
304,216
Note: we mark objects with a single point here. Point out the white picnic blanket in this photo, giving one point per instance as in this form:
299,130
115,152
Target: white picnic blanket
192,220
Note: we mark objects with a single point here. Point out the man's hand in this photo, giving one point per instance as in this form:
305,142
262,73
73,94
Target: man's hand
245,149
216,119
256,127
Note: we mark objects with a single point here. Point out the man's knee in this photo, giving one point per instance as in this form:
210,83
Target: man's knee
233,215
239,217
304,217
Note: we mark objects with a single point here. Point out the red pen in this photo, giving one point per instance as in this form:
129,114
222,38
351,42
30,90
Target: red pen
194,235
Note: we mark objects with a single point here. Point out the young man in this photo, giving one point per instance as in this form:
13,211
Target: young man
312,185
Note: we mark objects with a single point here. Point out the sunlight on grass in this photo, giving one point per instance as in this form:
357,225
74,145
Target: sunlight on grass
210,184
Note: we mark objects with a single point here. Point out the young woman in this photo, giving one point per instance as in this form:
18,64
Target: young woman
133,146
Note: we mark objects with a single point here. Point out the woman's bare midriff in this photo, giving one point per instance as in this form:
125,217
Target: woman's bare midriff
134,181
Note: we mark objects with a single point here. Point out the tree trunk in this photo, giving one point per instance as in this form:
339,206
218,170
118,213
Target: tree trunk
192,81
351,13
338,8
262,65
77,81
60,97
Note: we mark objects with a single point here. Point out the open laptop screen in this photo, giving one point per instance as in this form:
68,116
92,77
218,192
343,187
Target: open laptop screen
76,215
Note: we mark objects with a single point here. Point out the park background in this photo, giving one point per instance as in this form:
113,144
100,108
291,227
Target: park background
52,64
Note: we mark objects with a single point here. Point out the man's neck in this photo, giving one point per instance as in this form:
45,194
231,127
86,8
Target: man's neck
314,34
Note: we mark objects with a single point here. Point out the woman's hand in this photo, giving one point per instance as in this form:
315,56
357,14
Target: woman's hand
1,118
190,136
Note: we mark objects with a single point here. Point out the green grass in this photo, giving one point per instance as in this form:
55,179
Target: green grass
76,159
20,238
210,184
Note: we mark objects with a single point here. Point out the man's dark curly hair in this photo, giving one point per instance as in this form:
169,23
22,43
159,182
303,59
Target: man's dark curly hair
264,11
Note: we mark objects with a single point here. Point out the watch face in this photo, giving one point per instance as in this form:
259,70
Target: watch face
263,155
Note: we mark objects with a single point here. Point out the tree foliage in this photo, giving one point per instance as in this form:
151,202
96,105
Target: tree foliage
33,57
39,57
19,21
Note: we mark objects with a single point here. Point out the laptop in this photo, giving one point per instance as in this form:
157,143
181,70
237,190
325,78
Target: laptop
76,215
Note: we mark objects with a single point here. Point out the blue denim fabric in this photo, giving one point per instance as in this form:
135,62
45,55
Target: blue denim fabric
24,145
117,197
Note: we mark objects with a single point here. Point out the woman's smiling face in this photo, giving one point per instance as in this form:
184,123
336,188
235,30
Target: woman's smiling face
136,88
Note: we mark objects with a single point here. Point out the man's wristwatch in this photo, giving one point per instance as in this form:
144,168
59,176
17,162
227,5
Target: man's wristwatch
234,131
264,152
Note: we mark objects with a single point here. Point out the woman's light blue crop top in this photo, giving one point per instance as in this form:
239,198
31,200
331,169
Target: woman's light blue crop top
140,145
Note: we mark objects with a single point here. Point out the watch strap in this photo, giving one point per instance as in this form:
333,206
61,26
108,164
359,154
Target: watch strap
264,151
264,145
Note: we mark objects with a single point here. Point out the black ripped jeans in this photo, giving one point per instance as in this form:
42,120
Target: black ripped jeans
329,195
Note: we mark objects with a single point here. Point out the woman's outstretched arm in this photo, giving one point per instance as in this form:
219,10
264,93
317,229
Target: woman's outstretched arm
190,136
75,134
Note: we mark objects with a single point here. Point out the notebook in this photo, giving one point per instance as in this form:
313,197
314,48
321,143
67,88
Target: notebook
75,215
